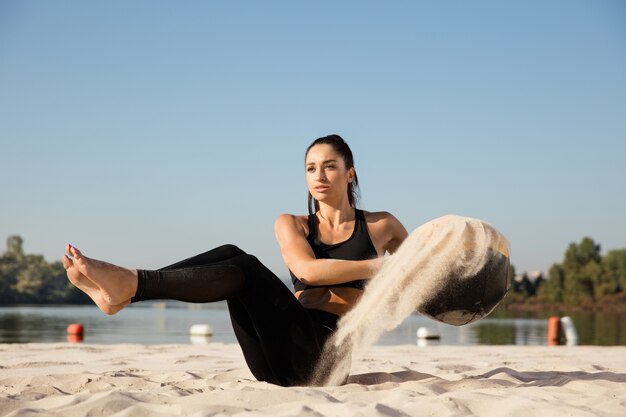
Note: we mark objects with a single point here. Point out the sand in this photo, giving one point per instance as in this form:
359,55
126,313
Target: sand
72,380
452,268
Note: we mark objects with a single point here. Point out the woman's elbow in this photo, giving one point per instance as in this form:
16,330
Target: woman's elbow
305,273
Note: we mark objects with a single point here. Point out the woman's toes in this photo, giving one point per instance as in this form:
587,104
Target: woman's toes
67,262
80,281
75,252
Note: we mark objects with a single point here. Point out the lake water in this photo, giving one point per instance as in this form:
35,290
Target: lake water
160,324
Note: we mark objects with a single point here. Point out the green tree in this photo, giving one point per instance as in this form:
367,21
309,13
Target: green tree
585,276
31,279
581,271
8,276
14,247
552,289
577,256
9,269
614,265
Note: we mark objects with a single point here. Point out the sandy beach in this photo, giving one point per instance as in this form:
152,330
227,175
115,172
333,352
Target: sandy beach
72,380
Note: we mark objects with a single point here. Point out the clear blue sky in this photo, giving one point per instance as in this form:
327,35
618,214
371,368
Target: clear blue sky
148,131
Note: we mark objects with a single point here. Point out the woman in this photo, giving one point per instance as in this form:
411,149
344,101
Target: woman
330,254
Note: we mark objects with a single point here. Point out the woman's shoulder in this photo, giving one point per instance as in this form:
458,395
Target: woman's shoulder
383,221
293,221
379,217
385,229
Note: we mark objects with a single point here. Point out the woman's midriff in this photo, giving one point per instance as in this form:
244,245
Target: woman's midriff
336,300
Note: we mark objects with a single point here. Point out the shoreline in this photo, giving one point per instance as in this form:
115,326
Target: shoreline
536,307
54,379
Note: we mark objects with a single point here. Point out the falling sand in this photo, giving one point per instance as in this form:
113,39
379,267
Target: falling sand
453,269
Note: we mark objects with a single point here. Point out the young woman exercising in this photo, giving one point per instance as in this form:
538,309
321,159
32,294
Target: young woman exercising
331,253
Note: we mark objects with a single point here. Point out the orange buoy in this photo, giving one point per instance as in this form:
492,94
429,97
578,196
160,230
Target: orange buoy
554,331
75,329
75,338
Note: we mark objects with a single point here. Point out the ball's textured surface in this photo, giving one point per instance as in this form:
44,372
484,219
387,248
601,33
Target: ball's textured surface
476,274
466,299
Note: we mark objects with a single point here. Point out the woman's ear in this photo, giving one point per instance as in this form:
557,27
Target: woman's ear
351,174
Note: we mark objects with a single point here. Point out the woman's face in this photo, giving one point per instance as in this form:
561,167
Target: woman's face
326,173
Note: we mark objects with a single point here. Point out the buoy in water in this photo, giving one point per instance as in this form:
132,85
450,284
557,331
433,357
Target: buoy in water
561,328
426,333
571,336
200,340
75,338
201,330
75,329
554,331
75,333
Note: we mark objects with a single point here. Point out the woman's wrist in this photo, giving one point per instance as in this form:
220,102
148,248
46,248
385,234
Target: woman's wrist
375,264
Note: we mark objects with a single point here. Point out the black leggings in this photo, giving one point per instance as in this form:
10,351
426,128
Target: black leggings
281,340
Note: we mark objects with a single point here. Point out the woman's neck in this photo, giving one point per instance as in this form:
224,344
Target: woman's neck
336,215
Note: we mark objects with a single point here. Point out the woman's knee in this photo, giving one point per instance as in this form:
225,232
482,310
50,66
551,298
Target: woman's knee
251,265
229,249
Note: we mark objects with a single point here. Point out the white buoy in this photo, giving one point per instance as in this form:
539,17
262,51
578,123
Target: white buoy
426,333
200,340
571,336
201,330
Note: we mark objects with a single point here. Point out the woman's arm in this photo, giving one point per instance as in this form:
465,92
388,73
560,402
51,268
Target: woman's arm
397,234
300,259
386,232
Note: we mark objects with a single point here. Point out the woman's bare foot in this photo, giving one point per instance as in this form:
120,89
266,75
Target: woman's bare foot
90,288
109,286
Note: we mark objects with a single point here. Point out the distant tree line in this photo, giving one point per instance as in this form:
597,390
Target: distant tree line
584,279
30,279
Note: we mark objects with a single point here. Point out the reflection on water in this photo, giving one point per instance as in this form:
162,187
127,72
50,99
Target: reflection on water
511,332
506,328
488,331
145,325
142,325
196,339
600,328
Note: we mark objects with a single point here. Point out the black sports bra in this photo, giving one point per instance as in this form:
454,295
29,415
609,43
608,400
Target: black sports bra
357,247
